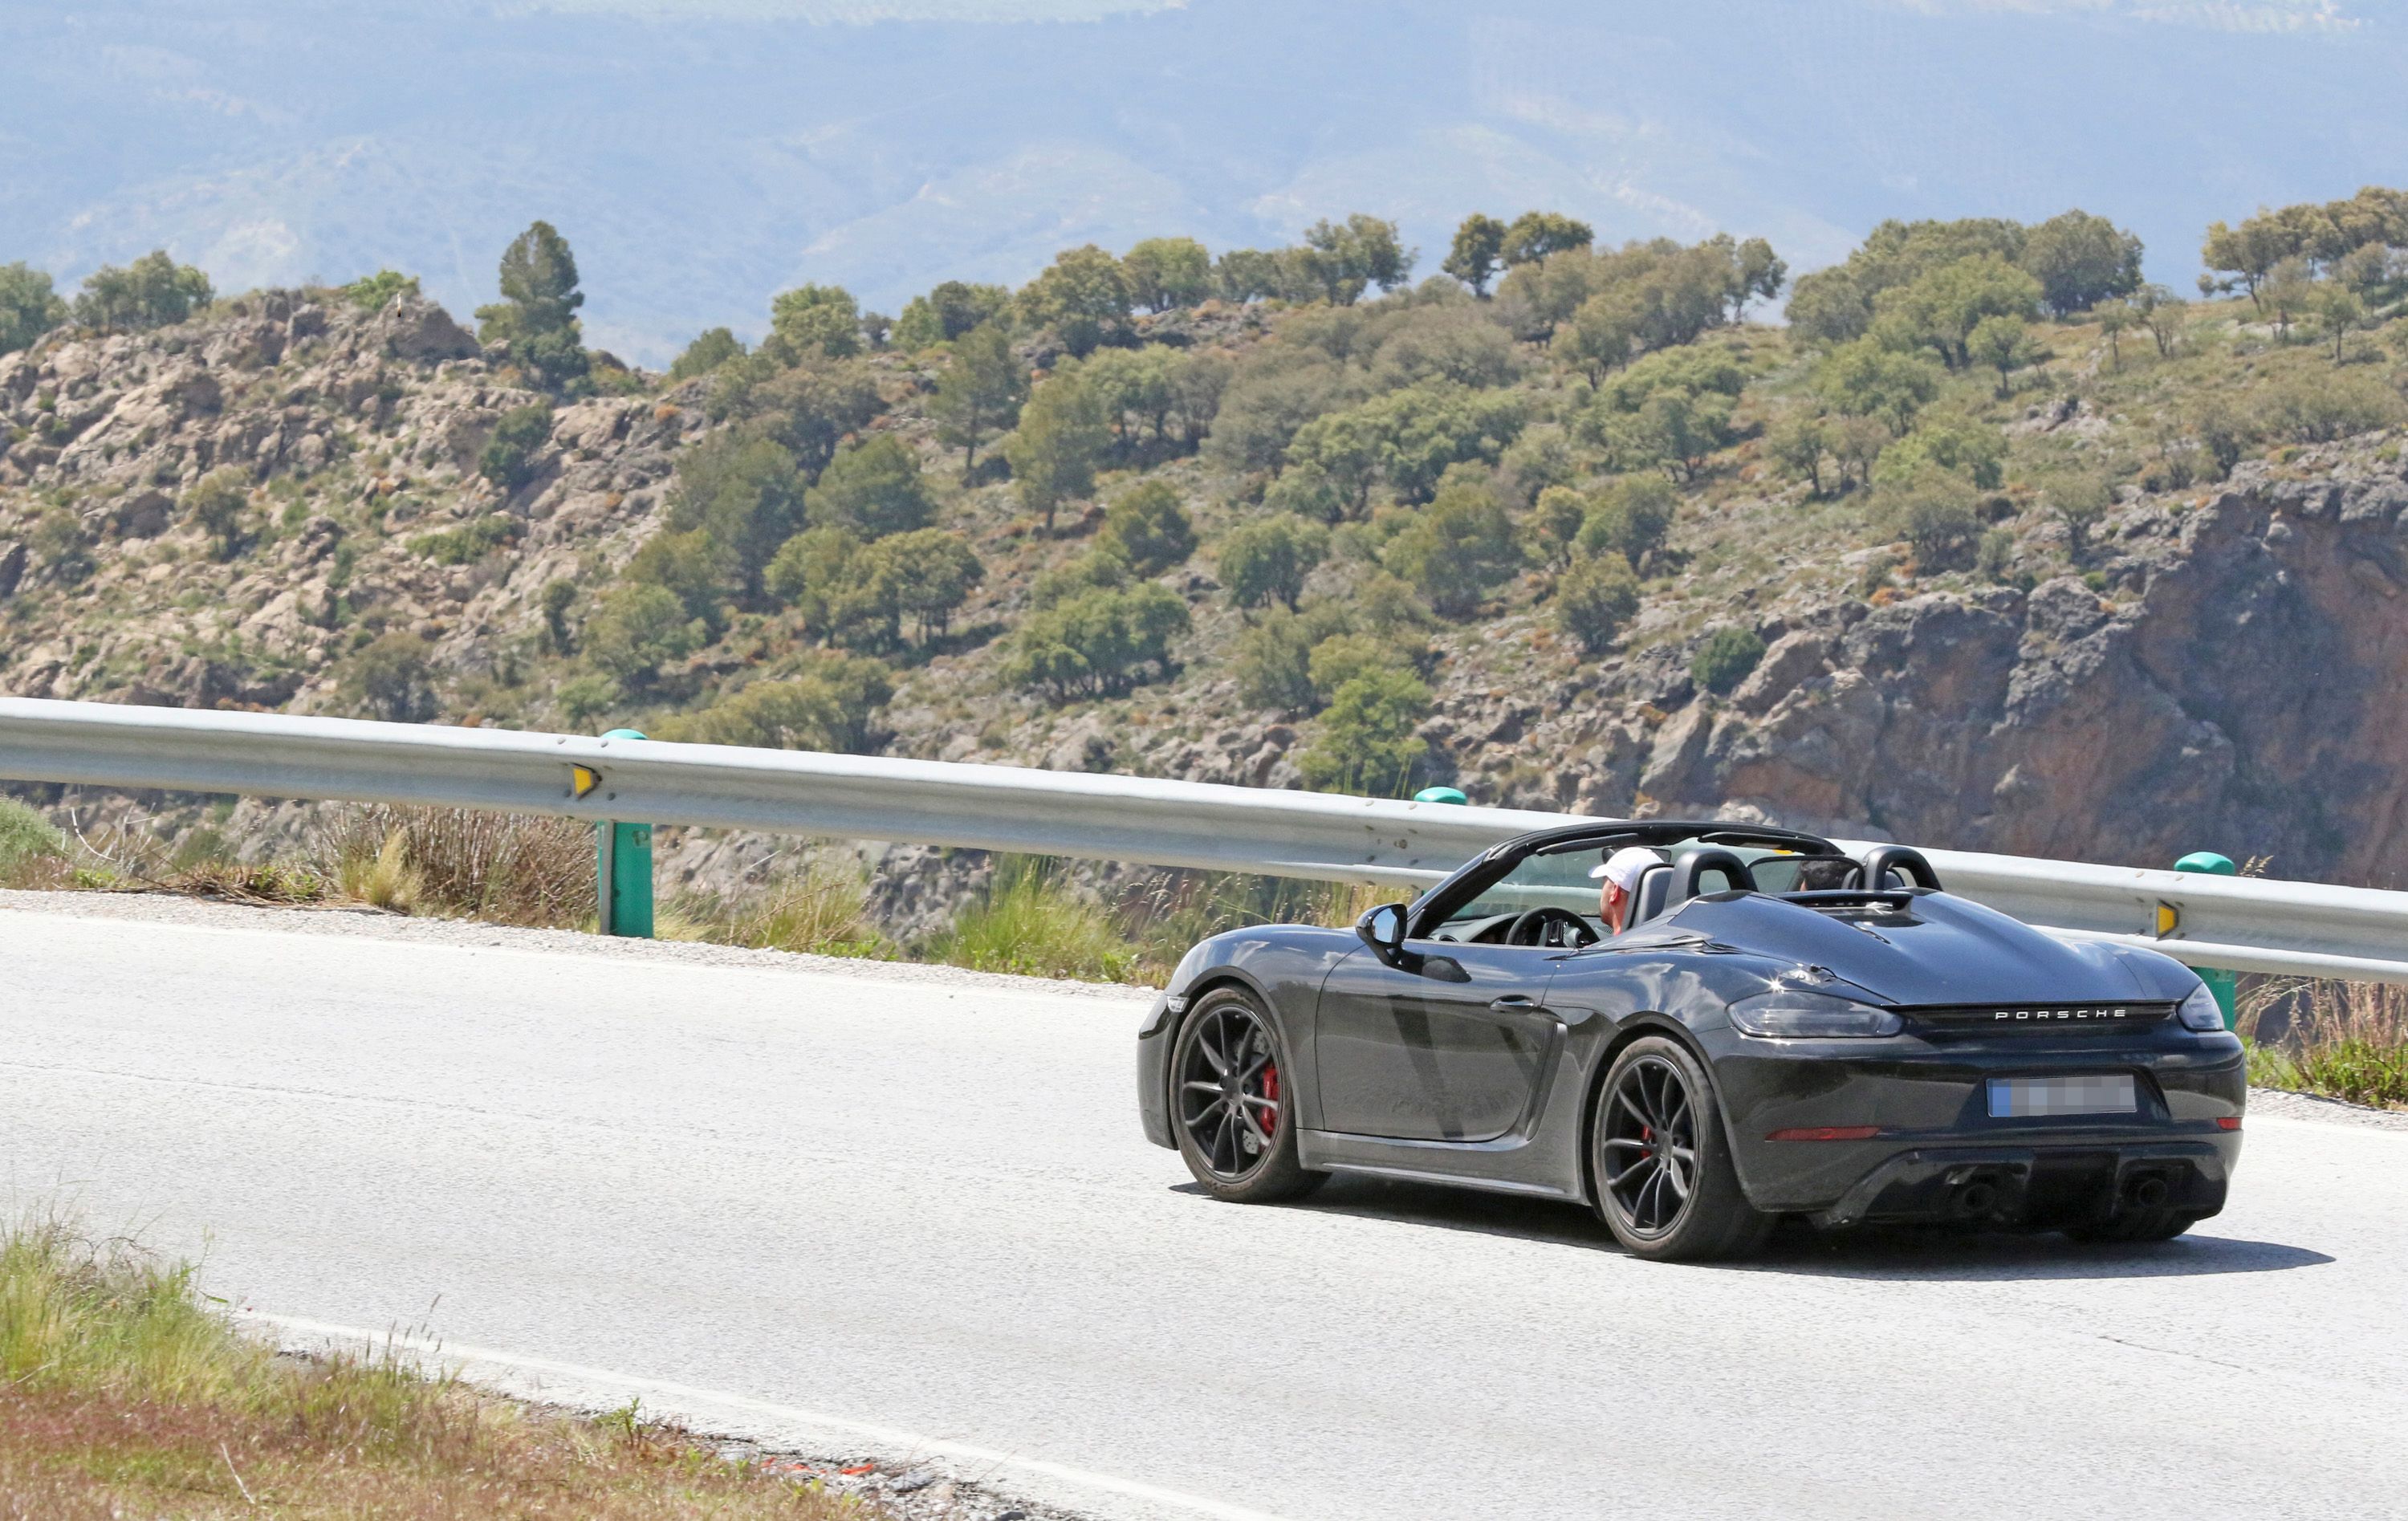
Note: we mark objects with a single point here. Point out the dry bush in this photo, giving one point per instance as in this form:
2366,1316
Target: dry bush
822,912
2346,1041
507,868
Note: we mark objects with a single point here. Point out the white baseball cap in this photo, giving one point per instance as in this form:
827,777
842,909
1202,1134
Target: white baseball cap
1624,866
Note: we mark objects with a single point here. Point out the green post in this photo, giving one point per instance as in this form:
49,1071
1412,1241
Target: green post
2219,982
623,876
1440,795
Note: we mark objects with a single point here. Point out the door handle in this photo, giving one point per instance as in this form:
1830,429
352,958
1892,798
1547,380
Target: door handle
1513,1003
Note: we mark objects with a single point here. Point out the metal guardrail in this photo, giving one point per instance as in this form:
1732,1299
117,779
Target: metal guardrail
2242,924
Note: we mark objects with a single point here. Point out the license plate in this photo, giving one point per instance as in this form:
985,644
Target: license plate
2035,1098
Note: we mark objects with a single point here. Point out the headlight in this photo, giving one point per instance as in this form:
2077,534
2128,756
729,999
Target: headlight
2200,1012
1794,1013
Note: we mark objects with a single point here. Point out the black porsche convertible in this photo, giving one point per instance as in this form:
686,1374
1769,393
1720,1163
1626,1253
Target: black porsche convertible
1779,1029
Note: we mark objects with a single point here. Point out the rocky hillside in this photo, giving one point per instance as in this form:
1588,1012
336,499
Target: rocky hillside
2129,598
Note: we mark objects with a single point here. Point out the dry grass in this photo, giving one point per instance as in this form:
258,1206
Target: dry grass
822,911
459,863
122,1394
2345,1041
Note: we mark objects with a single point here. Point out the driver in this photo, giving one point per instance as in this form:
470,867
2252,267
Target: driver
1620,873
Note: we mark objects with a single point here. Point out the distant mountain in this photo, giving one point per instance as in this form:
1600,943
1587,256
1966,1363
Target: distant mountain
701,154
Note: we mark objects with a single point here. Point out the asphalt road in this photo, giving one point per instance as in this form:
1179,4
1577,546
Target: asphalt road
925,1204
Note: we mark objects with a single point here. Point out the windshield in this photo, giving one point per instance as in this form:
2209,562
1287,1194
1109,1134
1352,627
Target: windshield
1562,878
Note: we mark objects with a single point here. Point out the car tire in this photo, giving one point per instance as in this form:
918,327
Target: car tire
1661,1203
2137,1226
1232,1160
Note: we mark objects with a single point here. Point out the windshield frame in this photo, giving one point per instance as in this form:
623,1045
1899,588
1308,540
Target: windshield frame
1437,907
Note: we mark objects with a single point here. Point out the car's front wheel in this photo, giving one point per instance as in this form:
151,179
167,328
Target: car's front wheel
1662,1164
1230,1103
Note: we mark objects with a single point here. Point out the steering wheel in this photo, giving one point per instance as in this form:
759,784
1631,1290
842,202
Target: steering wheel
1552,927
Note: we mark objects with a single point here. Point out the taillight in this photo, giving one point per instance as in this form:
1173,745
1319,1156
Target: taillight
2228,1122
1827,1132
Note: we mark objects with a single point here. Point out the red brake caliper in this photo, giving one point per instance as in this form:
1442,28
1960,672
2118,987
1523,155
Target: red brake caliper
1271,1093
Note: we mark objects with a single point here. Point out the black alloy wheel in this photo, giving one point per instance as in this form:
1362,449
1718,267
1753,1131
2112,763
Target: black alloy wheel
1651,1145
1231,1094
1661,1163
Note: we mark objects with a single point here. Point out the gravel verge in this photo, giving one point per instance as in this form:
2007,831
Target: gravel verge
173,909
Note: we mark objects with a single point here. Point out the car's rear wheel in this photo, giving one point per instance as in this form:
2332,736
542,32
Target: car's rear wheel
1230,1103
1662,1165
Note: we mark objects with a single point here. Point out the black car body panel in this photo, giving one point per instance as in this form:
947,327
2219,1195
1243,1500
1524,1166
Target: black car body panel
1477,1063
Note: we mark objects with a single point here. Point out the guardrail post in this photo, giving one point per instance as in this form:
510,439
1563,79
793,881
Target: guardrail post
623,882
2219,982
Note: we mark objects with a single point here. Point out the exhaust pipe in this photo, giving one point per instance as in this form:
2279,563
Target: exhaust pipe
1974,1198
2146,1191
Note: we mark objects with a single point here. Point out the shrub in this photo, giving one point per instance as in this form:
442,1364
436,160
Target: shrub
471,541
1456,553
1274,664
1342,657
2320,406
829,706
1630,518
216,502
153,291
1267,559
1724,661
392,678
1952,442
374,293
874,489
27,840
1030,923
463,862
1934,510
1595,599
1096,642
509,460
1366,741
1149,529
638,627
707,353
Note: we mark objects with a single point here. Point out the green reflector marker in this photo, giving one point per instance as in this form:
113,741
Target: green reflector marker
2219,982
623,876
1440,795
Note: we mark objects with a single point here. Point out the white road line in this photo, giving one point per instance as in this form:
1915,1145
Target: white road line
685,1399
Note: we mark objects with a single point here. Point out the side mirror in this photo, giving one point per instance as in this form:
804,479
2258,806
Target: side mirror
1383,929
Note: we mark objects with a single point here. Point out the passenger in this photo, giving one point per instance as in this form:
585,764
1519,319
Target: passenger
1621,872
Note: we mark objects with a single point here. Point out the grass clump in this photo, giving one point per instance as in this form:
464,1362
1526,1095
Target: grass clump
506,869
1033,923
122,1393
33,852
824,911
2347,1040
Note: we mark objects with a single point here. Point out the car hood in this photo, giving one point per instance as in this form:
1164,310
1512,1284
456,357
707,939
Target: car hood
1937,950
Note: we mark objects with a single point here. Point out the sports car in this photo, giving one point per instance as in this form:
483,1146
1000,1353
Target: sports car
1779,1029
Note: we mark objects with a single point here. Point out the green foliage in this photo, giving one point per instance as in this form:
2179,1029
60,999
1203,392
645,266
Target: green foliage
706,353
1534,235
1555,524
1407,438
858,592
744,495
1941,309
1266,559
1082,298
2005,344
469,542
1836,304
1274,664
874,489
1148,528
28,307
2081,260
926,575
555,602
217,502
26,838
1798,444
816,320
818,574
2317,407
1594,597
1098,642
1340,658
1168,272
374,293
947,312
64,547
1061,437
1676,429
392,678
1032,925
1934,510
687,565
638,627
1630,517
980,392
154,291
1726,659
509,460
1951,441
2322,235
1365,742
829,706
1346,257
1460,344
1135,385
2078,500
1477,251
536,321
1863,379
1456,551
1700,369
1657,295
